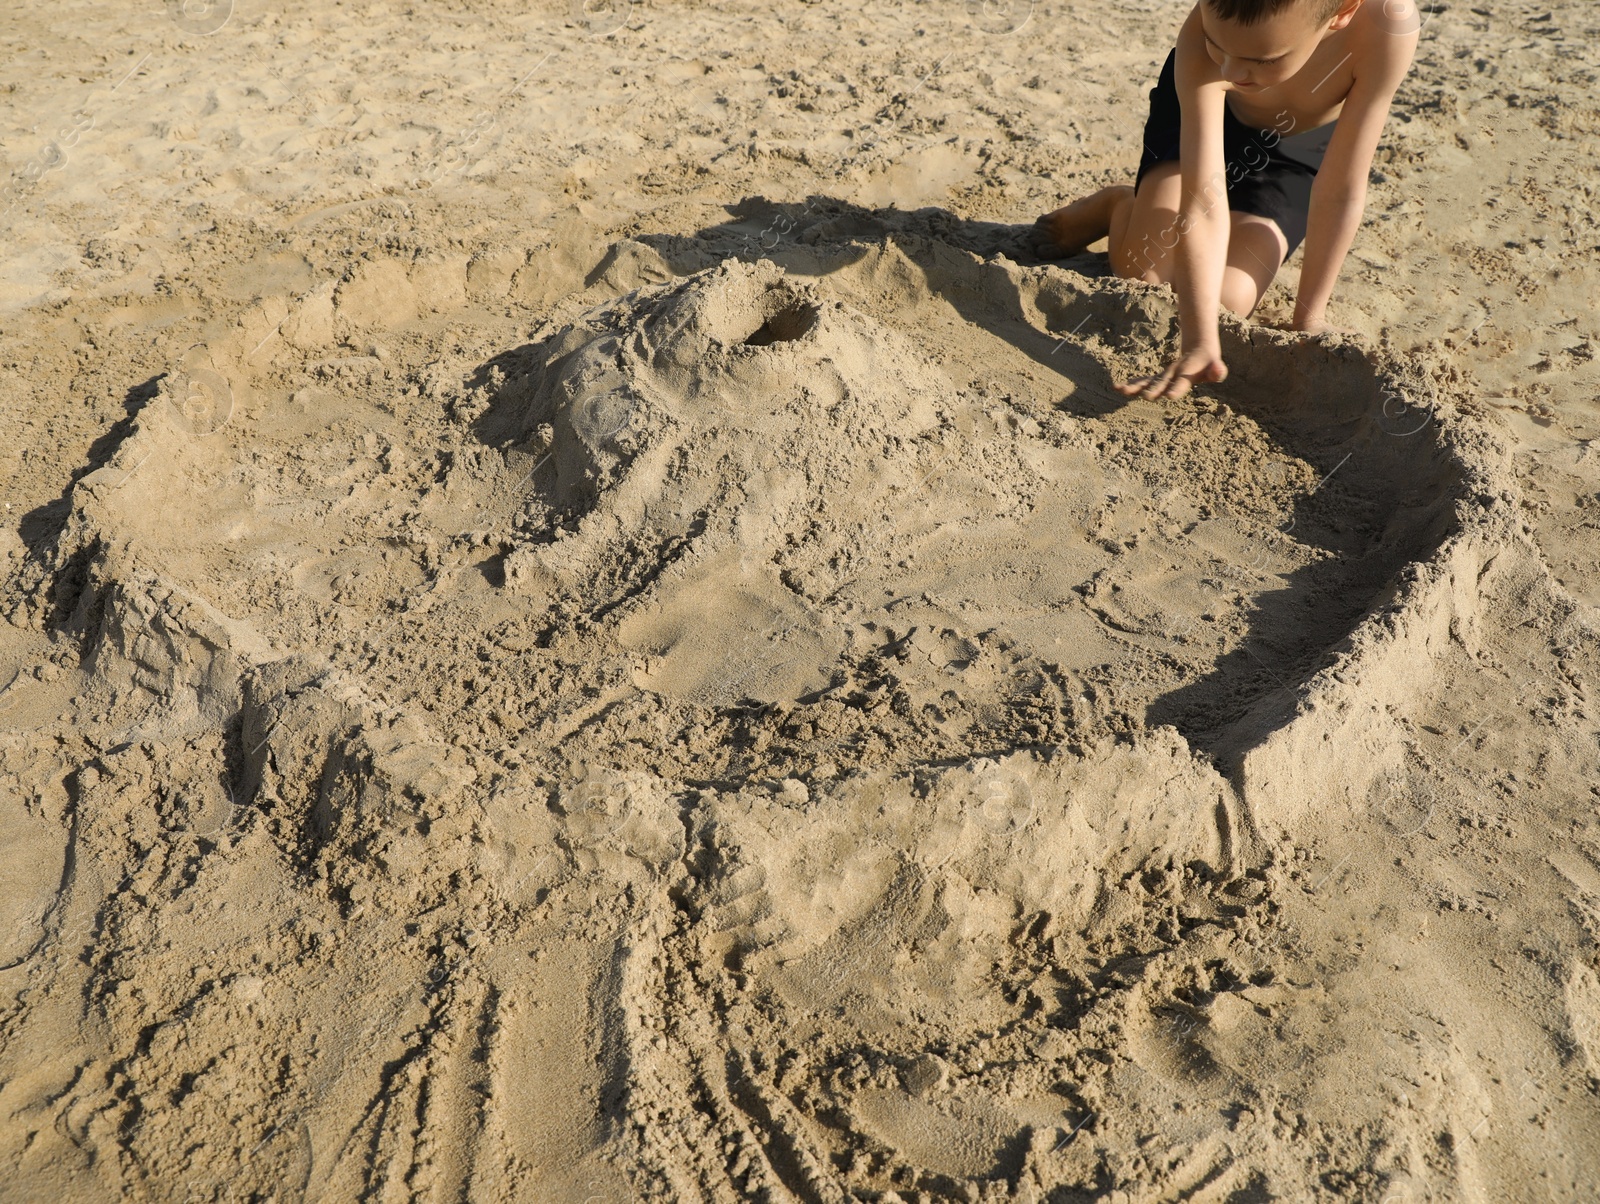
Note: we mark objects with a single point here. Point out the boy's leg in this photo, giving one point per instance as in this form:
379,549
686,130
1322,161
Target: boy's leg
1145,245
1073,227
1142,249
1256,250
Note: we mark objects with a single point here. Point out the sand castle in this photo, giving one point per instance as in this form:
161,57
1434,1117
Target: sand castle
759,713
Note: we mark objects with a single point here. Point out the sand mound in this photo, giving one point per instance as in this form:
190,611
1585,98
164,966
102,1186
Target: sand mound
761,717
872,480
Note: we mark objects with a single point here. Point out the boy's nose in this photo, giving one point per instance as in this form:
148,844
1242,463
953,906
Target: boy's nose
1235,72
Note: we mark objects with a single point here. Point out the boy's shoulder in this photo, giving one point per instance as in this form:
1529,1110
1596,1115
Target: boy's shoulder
1384,32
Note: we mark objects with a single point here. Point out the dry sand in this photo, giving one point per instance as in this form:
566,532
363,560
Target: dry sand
586,625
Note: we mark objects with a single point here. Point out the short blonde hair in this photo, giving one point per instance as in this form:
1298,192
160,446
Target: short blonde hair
1253,12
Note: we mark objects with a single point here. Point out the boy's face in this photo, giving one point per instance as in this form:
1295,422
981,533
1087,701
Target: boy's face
1253,57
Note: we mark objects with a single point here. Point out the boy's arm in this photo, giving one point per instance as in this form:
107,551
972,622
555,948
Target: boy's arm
1202,224
1339,194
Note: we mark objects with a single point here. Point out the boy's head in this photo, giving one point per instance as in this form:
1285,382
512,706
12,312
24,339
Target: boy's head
1253,12
1258,43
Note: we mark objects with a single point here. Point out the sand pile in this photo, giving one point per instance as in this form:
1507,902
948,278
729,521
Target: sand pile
789,731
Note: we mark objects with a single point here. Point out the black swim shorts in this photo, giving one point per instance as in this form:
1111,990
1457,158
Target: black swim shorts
1269,172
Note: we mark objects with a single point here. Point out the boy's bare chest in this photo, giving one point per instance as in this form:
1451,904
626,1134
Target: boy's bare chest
1313,97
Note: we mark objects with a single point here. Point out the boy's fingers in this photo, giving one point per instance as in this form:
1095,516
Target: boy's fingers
1172,383
1145,386
1157,388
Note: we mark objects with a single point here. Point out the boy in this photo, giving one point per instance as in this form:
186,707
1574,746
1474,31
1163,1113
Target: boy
1276,106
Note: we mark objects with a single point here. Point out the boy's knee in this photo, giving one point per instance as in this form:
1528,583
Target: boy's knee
1138,263
1140,269
1239,296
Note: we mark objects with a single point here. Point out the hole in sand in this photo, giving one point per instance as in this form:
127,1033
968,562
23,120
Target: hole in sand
793,321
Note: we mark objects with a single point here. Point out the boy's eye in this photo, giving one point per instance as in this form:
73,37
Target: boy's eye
1258,62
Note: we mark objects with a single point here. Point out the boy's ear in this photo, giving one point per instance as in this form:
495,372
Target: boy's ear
1346,14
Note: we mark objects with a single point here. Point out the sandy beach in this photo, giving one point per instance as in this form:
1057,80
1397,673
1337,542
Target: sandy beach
583,622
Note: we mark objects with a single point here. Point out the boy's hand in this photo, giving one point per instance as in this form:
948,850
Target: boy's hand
1198,366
